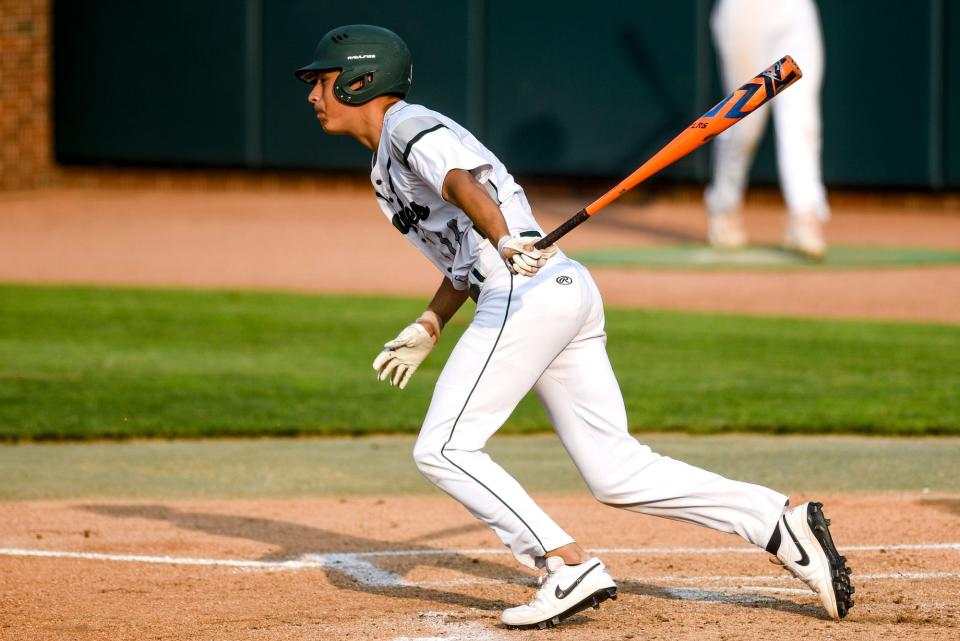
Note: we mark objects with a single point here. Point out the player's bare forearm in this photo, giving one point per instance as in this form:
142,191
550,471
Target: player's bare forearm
445,304
466,192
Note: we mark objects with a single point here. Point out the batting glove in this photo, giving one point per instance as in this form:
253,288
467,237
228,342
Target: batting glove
401,356
521,257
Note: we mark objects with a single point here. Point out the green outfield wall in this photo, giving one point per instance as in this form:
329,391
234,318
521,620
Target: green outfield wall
554,88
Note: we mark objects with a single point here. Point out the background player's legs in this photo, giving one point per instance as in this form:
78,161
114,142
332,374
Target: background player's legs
467,407
796,115
740,45
583,400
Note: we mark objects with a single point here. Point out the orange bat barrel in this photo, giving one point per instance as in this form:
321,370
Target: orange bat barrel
722,116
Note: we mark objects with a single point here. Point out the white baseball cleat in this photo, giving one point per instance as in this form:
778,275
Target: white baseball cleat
726,231
803,545
805,236
564,591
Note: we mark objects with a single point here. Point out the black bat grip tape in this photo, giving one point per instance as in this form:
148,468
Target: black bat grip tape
562,230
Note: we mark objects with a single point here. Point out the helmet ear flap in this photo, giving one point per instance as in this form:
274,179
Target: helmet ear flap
348,86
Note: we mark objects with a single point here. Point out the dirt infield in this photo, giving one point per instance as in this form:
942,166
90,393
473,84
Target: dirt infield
421,568
309,240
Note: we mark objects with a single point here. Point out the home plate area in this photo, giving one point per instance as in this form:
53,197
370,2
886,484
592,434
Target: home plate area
415,568
744,587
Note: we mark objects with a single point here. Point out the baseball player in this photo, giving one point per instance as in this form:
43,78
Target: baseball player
538,324
748,34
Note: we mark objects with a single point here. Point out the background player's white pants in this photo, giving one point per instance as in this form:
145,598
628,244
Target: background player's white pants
749,35
540,333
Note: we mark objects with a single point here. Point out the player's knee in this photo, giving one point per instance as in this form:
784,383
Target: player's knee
605,493
428,457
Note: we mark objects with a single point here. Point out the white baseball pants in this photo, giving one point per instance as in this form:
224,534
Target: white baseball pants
750,35
546,333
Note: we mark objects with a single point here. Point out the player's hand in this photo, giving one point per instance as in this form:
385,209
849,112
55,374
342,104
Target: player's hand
521,257
401,356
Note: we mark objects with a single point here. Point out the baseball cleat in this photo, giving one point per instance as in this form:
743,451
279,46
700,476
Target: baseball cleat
803,545
564,590
725,231
804,236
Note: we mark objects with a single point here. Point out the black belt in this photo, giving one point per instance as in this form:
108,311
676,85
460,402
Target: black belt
474,288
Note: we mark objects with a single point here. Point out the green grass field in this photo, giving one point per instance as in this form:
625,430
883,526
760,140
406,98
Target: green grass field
699,257
87,363
341,467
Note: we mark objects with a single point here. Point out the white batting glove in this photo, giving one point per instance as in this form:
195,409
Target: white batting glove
523,258
401,356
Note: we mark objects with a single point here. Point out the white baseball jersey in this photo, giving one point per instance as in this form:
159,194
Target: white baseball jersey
418,147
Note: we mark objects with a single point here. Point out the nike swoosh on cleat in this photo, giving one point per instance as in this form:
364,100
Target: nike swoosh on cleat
563,594
804,559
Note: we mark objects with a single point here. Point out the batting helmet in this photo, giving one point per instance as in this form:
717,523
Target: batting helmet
373,56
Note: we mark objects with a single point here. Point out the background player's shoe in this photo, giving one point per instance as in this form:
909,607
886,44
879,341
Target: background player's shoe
803,545
805,236
564,591
726,231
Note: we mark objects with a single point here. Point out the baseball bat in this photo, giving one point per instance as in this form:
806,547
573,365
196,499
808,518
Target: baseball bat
726,113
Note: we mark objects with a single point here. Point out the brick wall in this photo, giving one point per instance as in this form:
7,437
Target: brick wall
26,157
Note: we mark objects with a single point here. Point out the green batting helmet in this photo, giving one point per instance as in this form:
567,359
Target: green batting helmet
373,56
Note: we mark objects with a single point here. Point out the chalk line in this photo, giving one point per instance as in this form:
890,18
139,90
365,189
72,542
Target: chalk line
654,550
321,560
358,566
721,589
292,564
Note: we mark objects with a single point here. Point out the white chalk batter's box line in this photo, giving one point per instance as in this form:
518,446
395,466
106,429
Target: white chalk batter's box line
358,566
